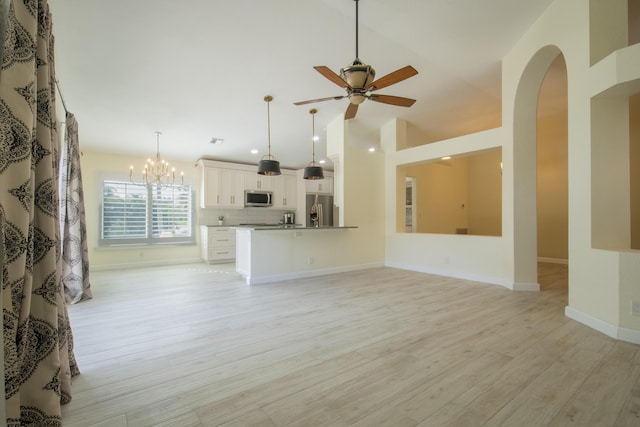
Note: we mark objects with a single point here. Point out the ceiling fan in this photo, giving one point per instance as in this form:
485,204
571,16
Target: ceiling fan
358,80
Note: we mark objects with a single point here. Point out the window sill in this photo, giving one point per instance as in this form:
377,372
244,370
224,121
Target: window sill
137,246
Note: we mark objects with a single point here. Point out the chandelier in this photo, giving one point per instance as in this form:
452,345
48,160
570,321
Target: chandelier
158,171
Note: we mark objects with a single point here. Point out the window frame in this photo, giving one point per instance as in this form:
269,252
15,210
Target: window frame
149,240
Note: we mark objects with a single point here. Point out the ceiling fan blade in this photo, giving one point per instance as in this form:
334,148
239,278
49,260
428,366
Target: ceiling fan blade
311,101
326,71
352,109
393,100
393,78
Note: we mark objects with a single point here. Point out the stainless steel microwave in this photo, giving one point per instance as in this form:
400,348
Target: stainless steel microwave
257,198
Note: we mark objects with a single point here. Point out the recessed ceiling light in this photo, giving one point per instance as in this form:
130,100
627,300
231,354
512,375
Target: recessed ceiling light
372,149
445,158
216,140
254,151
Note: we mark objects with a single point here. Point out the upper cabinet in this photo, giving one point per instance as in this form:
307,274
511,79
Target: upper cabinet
285,189
221,188
253,181
222,185
320,186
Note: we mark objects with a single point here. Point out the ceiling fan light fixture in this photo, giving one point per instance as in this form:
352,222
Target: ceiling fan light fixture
313,170
359,81
357,98
268,165
358,75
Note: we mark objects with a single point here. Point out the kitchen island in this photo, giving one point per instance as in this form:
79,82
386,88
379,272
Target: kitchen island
273,253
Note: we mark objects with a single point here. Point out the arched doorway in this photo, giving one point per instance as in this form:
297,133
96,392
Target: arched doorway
552,181
525,166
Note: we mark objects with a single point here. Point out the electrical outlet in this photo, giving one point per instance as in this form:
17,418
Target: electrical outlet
635,308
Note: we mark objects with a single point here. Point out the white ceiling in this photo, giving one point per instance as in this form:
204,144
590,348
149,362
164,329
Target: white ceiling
199,69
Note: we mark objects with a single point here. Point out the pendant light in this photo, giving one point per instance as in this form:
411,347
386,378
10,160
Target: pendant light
268,165
313,169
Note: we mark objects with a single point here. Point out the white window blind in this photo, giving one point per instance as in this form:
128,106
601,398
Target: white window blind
140,214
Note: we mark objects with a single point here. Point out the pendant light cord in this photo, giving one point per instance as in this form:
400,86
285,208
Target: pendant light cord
268,99
268,130
313,135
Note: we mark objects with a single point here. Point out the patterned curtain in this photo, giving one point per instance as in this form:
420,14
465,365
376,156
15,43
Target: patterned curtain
75,253
38,345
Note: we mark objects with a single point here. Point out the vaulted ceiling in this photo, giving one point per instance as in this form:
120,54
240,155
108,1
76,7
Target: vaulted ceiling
200,69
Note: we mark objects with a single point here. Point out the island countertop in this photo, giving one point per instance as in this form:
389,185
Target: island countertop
288,227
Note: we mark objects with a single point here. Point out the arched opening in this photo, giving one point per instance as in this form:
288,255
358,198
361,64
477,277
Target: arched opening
526,128
552,182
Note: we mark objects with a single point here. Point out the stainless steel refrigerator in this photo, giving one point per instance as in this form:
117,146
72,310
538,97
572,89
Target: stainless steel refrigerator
319,210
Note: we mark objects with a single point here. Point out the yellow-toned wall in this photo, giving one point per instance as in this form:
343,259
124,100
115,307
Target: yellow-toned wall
552,187
96,167
485,193
442,195
634,155
459,193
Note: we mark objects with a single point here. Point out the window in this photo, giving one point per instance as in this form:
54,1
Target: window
140,214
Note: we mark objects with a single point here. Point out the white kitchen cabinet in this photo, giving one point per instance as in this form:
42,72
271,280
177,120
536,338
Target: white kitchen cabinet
254,181
218,244
285,191
233,190
319,186
222,188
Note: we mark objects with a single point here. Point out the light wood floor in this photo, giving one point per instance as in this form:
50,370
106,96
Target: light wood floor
194,346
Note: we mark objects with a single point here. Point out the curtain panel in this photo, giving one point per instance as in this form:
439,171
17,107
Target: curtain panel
75,253
38,345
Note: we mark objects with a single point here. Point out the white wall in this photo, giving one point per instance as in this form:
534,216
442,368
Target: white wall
480,258
602,283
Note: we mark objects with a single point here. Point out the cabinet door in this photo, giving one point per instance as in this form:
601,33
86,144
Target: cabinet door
253,181
231,188
326,185
210,195
290,184
322,186
285,191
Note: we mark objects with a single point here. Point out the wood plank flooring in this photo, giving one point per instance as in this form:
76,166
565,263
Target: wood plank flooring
192,345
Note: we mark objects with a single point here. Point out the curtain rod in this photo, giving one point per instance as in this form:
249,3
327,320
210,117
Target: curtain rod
61,97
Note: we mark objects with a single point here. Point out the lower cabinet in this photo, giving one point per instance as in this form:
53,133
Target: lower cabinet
218,244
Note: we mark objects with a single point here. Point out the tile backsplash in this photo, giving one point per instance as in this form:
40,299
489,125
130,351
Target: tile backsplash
209,216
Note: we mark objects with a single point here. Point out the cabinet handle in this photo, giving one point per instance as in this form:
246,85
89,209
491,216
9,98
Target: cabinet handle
222,240
218,199
222,253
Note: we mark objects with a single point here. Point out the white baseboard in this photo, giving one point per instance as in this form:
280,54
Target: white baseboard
257,280
533,287
158,263
553,260
525,287
623,334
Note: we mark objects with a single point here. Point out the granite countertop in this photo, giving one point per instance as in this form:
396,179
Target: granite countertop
259,227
